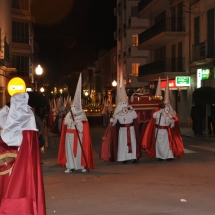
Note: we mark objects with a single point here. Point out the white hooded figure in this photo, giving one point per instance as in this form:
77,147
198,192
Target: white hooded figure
3,116
125,115
164,118
74,161
20,117
61,113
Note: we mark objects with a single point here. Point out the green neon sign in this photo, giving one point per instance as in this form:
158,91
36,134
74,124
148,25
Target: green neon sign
205,74
182,81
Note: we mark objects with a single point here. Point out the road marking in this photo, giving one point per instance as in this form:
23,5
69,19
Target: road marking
187,151
207,148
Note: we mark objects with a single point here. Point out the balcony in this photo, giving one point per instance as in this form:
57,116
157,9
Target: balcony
151,8
166,31
133,51
203,53
135,23
170,66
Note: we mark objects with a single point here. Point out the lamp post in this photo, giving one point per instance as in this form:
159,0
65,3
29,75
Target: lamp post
39,71
42,90
114,83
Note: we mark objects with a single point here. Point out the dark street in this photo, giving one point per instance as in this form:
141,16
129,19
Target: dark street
183,186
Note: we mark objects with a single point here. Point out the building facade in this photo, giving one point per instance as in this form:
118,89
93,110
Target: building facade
129,56
16,44
167,39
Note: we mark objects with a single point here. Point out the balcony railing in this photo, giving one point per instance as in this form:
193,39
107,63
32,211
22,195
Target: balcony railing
166,65
203,50
168,24
142,4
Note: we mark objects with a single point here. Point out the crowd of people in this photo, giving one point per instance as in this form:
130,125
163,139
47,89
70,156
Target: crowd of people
21,130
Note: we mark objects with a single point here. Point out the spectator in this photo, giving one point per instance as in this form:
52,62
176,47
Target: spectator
211,119
197,115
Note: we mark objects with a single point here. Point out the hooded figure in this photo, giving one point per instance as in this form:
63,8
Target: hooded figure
21,186
162,138
61,113
120,142
75,150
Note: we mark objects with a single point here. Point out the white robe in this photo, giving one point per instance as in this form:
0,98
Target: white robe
163,150
122,154
72,161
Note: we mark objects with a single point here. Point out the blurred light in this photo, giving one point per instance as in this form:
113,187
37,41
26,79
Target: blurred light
39,70
114,83
42,89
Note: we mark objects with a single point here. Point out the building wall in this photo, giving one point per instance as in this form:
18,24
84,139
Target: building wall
5,33
127,25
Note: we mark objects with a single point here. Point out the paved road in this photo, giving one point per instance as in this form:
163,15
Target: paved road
181,187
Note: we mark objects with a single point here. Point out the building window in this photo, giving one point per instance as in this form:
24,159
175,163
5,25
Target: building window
134,41
20,4
134,10
20,32
135,69
196,31
21,63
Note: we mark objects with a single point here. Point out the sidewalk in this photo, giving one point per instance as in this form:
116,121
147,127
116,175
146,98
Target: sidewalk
188,132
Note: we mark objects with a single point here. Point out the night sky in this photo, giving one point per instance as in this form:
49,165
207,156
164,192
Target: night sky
71,33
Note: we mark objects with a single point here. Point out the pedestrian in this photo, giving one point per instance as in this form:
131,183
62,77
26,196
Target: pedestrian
197,115
121,137
23,193
39,125
75,149
211,119
61,114
162,138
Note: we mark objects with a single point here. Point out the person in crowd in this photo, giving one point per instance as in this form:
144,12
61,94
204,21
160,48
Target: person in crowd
22,190
75,149
162,138
120,142
211,119
61,114
197,115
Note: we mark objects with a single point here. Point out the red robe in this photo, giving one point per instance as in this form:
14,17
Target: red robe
23,192
109,146
174,135
86,145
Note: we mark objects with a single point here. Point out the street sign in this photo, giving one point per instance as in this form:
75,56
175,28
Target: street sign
16,85
182,81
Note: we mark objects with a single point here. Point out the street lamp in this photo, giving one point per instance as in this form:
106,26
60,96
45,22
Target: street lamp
42,89
114,83
39,70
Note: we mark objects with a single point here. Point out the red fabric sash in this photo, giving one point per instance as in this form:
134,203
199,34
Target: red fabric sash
161,126
128,135
75,147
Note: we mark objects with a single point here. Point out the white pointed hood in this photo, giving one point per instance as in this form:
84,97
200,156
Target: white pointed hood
20,117
76,105
158,90
122,100
167,99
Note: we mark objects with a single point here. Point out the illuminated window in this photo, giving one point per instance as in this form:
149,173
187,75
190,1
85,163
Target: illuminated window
134,41
135,69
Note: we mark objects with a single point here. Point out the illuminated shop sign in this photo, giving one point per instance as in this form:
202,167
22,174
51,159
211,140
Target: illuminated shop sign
205,74
202,74
182,81
172,84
